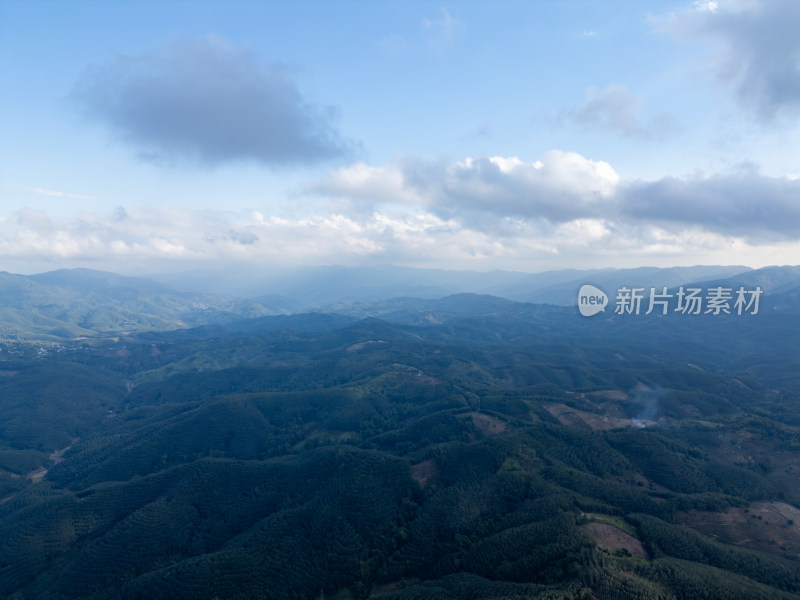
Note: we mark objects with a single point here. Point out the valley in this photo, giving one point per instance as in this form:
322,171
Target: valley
500,450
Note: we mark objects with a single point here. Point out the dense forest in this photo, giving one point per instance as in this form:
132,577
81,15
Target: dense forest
470,448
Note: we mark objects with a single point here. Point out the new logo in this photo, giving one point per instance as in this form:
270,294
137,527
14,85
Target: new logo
591,300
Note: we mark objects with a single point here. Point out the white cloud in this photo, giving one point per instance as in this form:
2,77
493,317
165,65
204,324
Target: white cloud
54,193
756,49
560,186
362,182
163,240
706,5
744,204
615,108
444,30
498,212
434,35
35,220
207,101
565,187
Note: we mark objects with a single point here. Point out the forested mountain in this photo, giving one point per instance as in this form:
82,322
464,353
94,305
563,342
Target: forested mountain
72,303
465,447
325,285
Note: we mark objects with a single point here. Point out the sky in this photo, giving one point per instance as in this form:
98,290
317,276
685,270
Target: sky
165,136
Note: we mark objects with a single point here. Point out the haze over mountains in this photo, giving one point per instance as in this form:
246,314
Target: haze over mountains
197,446
71,303
274,409
324,285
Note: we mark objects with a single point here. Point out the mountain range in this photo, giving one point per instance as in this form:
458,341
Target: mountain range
469,446
75,303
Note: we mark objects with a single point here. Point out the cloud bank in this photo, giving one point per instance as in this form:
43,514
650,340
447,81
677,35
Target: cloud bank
559,187
164,240
563,187
207,101
499,212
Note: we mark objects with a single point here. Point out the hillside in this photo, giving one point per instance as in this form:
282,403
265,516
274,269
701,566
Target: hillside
81,303
470,447
68,304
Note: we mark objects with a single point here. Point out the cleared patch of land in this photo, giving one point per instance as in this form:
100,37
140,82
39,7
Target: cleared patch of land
424,472
609,395
572,417
610,538
56,457
772,527
487,424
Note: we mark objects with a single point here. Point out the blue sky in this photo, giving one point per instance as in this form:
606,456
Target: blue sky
151,136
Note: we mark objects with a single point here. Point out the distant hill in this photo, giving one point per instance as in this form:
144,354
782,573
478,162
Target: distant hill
322,285
463,447
328,285
788,301
539,290
416,311
101,282
780,286
773,280
71,303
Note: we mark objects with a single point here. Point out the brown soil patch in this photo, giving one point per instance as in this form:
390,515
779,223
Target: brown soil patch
584,420
422,378
424,472
771,527
37,475
361,345
56,457
610,395
748,449
608,537
488,425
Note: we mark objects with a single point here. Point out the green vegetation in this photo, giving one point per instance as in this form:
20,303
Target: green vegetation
366,459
